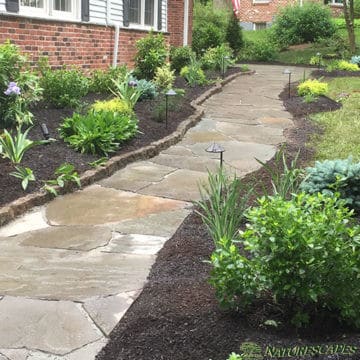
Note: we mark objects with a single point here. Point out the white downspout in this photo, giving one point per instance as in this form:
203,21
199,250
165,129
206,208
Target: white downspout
117,33
186,22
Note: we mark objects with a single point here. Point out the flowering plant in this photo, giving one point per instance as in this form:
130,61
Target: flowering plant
12,89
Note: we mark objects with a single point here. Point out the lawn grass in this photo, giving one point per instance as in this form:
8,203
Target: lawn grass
341,137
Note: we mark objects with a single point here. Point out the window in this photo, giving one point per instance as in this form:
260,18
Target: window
260,26
143,12
62,9
335,2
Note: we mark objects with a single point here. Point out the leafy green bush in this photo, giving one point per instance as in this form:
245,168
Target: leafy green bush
180,57
63,87
332,176
261,50
98,132
209,27
218,58
147,89
19,87
234,34
342,65
312,87
113,105
303,252
164,78
151,54
102,80
297,24
193,73
222,206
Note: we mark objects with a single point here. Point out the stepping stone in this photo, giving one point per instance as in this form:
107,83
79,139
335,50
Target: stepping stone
57,327
82,238
97,205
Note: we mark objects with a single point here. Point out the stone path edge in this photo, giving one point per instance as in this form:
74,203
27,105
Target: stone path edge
10,211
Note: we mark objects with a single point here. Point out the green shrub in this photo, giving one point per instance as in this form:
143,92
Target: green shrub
260,50
222,206
164,77
102,80
63,87
98,132
312,87
180,57
234,34
342,65
113,105
147,89
151,54
209,27
218,58
19,87
303,252
193,73
297,24
332,176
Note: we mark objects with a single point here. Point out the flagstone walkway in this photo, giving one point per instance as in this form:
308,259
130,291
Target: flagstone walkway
70,270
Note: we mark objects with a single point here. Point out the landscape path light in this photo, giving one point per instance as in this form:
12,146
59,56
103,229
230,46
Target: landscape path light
170,92
223,64
319,60
288,72
216,149
45,131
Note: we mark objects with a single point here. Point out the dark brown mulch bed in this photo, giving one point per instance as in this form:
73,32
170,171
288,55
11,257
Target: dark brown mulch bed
43,160
177,317
335,73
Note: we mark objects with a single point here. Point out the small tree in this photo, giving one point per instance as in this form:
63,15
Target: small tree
234,34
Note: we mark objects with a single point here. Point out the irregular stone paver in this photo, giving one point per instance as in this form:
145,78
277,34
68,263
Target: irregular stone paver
25,322
97,205
101,254
15,354
136,176
33,220
68,237
182,185
161,224
136,244
69,275
107,311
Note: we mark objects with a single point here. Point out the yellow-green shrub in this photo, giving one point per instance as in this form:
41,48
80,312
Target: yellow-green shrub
312,87
114,105
164,77
342,65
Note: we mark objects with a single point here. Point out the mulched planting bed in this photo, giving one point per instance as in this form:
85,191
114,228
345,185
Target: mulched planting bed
177,317
43,160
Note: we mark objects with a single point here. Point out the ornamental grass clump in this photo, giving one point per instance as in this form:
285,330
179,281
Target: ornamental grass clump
303,253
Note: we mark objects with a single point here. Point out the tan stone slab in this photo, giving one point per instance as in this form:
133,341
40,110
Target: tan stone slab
15,354
276,122
106,312
162,224
195,163
193,137
181,184
33,220
57,327
178,150
68,237
136,176
69,275
136,244
98,205
249,133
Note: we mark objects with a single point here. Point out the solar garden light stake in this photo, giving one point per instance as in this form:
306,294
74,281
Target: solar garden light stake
45,131
288,72
216,149
223,65
319,59
170,92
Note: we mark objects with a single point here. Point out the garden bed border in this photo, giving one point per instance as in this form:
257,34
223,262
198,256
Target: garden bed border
10,211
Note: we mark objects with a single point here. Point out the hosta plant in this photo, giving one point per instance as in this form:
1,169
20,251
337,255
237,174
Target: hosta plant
25,174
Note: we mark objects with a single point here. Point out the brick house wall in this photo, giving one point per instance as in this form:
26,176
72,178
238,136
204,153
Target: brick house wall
84,45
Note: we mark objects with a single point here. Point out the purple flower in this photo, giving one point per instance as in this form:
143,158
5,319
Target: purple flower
12,89
132,83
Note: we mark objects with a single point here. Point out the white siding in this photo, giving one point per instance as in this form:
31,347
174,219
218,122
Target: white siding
2,6
117,11
97,11
164,15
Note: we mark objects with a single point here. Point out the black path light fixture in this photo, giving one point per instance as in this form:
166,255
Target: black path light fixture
45,131
318,55
288,72
216,149
223,65
170,92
